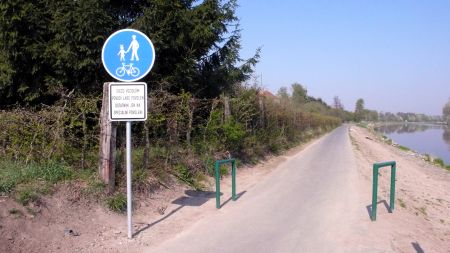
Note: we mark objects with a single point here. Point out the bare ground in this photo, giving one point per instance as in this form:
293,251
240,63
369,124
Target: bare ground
419,223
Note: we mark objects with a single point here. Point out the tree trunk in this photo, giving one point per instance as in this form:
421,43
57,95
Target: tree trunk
226,107
191,119
147,146
108,131
262,112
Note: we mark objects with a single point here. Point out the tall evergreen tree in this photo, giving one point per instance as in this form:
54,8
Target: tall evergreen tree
52,46
359,110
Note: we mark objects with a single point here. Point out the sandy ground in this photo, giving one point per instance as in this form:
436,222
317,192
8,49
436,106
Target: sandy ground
421,219
419,223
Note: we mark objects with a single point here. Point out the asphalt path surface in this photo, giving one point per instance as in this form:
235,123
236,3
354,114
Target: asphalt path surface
305,205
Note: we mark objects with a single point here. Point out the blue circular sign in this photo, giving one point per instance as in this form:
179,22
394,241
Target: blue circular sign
128,55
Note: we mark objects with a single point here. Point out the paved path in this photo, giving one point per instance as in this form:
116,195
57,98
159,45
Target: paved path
306,205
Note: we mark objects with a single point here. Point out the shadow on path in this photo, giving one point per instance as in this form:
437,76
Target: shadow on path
417,247
237,197
193,198
369,207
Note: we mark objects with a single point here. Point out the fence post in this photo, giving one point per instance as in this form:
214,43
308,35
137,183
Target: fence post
108,132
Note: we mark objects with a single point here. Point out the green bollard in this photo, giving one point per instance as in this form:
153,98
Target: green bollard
217,172
376,167
392,195
233,179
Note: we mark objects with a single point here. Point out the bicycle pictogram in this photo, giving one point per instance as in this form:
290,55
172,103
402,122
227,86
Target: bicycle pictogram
128,69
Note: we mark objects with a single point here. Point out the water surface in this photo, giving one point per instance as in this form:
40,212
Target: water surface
423,138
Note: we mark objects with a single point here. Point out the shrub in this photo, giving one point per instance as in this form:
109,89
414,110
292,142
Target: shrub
117,203
139,178
438,161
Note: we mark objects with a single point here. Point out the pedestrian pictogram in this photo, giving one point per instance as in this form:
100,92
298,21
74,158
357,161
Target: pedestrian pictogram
128,55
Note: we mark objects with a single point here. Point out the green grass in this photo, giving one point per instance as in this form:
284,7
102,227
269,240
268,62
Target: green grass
15,173
439,162
139,179
26,196
404,148
117,203
26,182
195,179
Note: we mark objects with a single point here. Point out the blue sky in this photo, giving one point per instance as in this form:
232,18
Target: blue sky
393,54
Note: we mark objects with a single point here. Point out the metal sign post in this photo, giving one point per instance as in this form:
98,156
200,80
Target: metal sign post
129,196
128,55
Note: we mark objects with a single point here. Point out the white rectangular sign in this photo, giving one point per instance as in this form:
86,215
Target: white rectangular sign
128,101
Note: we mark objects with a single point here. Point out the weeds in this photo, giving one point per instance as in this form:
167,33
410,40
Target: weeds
26,196
139,179
15,212
117,203
95,186
422,210
402,203
439,162
186,175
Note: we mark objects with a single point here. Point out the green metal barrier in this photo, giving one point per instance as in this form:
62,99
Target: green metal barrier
233,179
376,168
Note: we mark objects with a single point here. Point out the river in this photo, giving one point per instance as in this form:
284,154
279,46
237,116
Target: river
423,138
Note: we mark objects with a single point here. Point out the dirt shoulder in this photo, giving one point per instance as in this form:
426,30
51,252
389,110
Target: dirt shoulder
67,222
421,219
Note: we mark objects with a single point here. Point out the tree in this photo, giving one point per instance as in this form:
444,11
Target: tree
337,104
446,112
283,94
299,94
359,110
50,47
197,46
